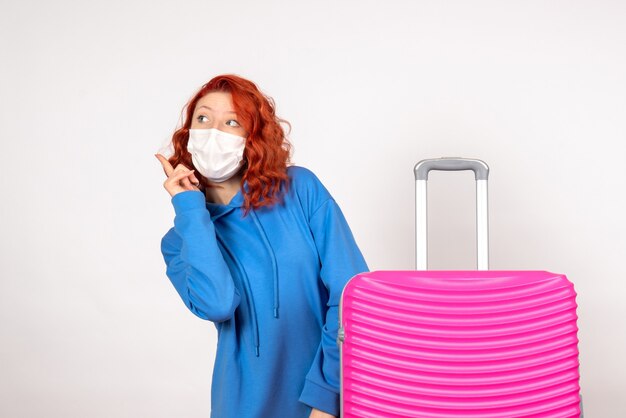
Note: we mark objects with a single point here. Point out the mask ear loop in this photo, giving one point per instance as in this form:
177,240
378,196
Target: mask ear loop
244,157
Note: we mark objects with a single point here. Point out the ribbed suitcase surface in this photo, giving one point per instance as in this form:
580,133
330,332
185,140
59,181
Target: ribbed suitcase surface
459,344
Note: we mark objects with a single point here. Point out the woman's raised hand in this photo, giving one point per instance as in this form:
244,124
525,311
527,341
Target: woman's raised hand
179,179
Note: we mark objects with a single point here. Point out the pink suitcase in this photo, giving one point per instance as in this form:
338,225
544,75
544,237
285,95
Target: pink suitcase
479,343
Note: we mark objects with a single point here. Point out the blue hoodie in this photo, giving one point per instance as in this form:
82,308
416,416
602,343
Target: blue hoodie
271,284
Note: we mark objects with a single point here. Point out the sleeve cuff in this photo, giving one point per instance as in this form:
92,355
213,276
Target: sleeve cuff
320,398
188,200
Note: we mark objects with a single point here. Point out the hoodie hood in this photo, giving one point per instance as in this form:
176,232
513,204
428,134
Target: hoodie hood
217,211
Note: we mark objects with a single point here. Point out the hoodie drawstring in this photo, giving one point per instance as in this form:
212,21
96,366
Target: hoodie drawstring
246,281
270,250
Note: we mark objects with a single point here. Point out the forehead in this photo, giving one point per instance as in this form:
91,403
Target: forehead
218,101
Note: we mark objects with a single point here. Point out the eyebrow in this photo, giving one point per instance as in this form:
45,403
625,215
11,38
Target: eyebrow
207,107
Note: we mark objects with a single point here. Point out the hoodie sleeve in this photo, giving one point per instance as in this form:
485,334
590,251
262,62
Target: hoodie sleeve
340,260
194,263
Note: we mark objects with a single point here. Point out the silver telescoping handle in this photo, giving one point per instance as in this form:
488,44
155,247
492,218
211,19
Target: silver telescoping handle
481,173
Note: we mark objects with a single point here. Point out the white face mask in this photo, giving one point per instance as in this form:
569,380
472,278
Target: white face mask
217,155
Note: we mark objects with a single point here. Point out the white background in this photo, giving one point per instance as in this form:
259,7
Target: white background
90,325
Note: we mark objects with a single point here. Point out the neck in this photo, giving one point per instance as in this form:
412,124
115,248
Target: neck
224,191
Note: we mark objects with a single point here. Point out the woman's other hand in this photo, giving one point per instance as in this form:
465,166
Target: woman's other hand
179,179
316,413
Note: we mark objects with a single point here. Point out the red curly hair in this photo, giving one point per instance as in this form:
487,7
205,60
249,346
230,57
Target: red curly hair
267,151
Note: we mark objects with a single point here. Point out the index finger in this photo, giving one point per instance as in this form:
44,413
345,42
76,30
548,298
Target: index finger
166,164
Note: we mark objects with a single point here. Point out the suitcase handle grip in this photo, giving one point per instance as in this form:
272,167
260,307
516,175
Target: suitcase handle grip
480,169
481,172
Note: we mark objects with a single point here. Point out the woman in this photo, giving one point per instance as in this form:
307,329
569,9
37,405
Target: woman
262,250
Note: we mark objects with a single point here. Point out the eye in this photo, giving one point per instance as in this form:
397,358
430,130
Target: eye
233,123
200,118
